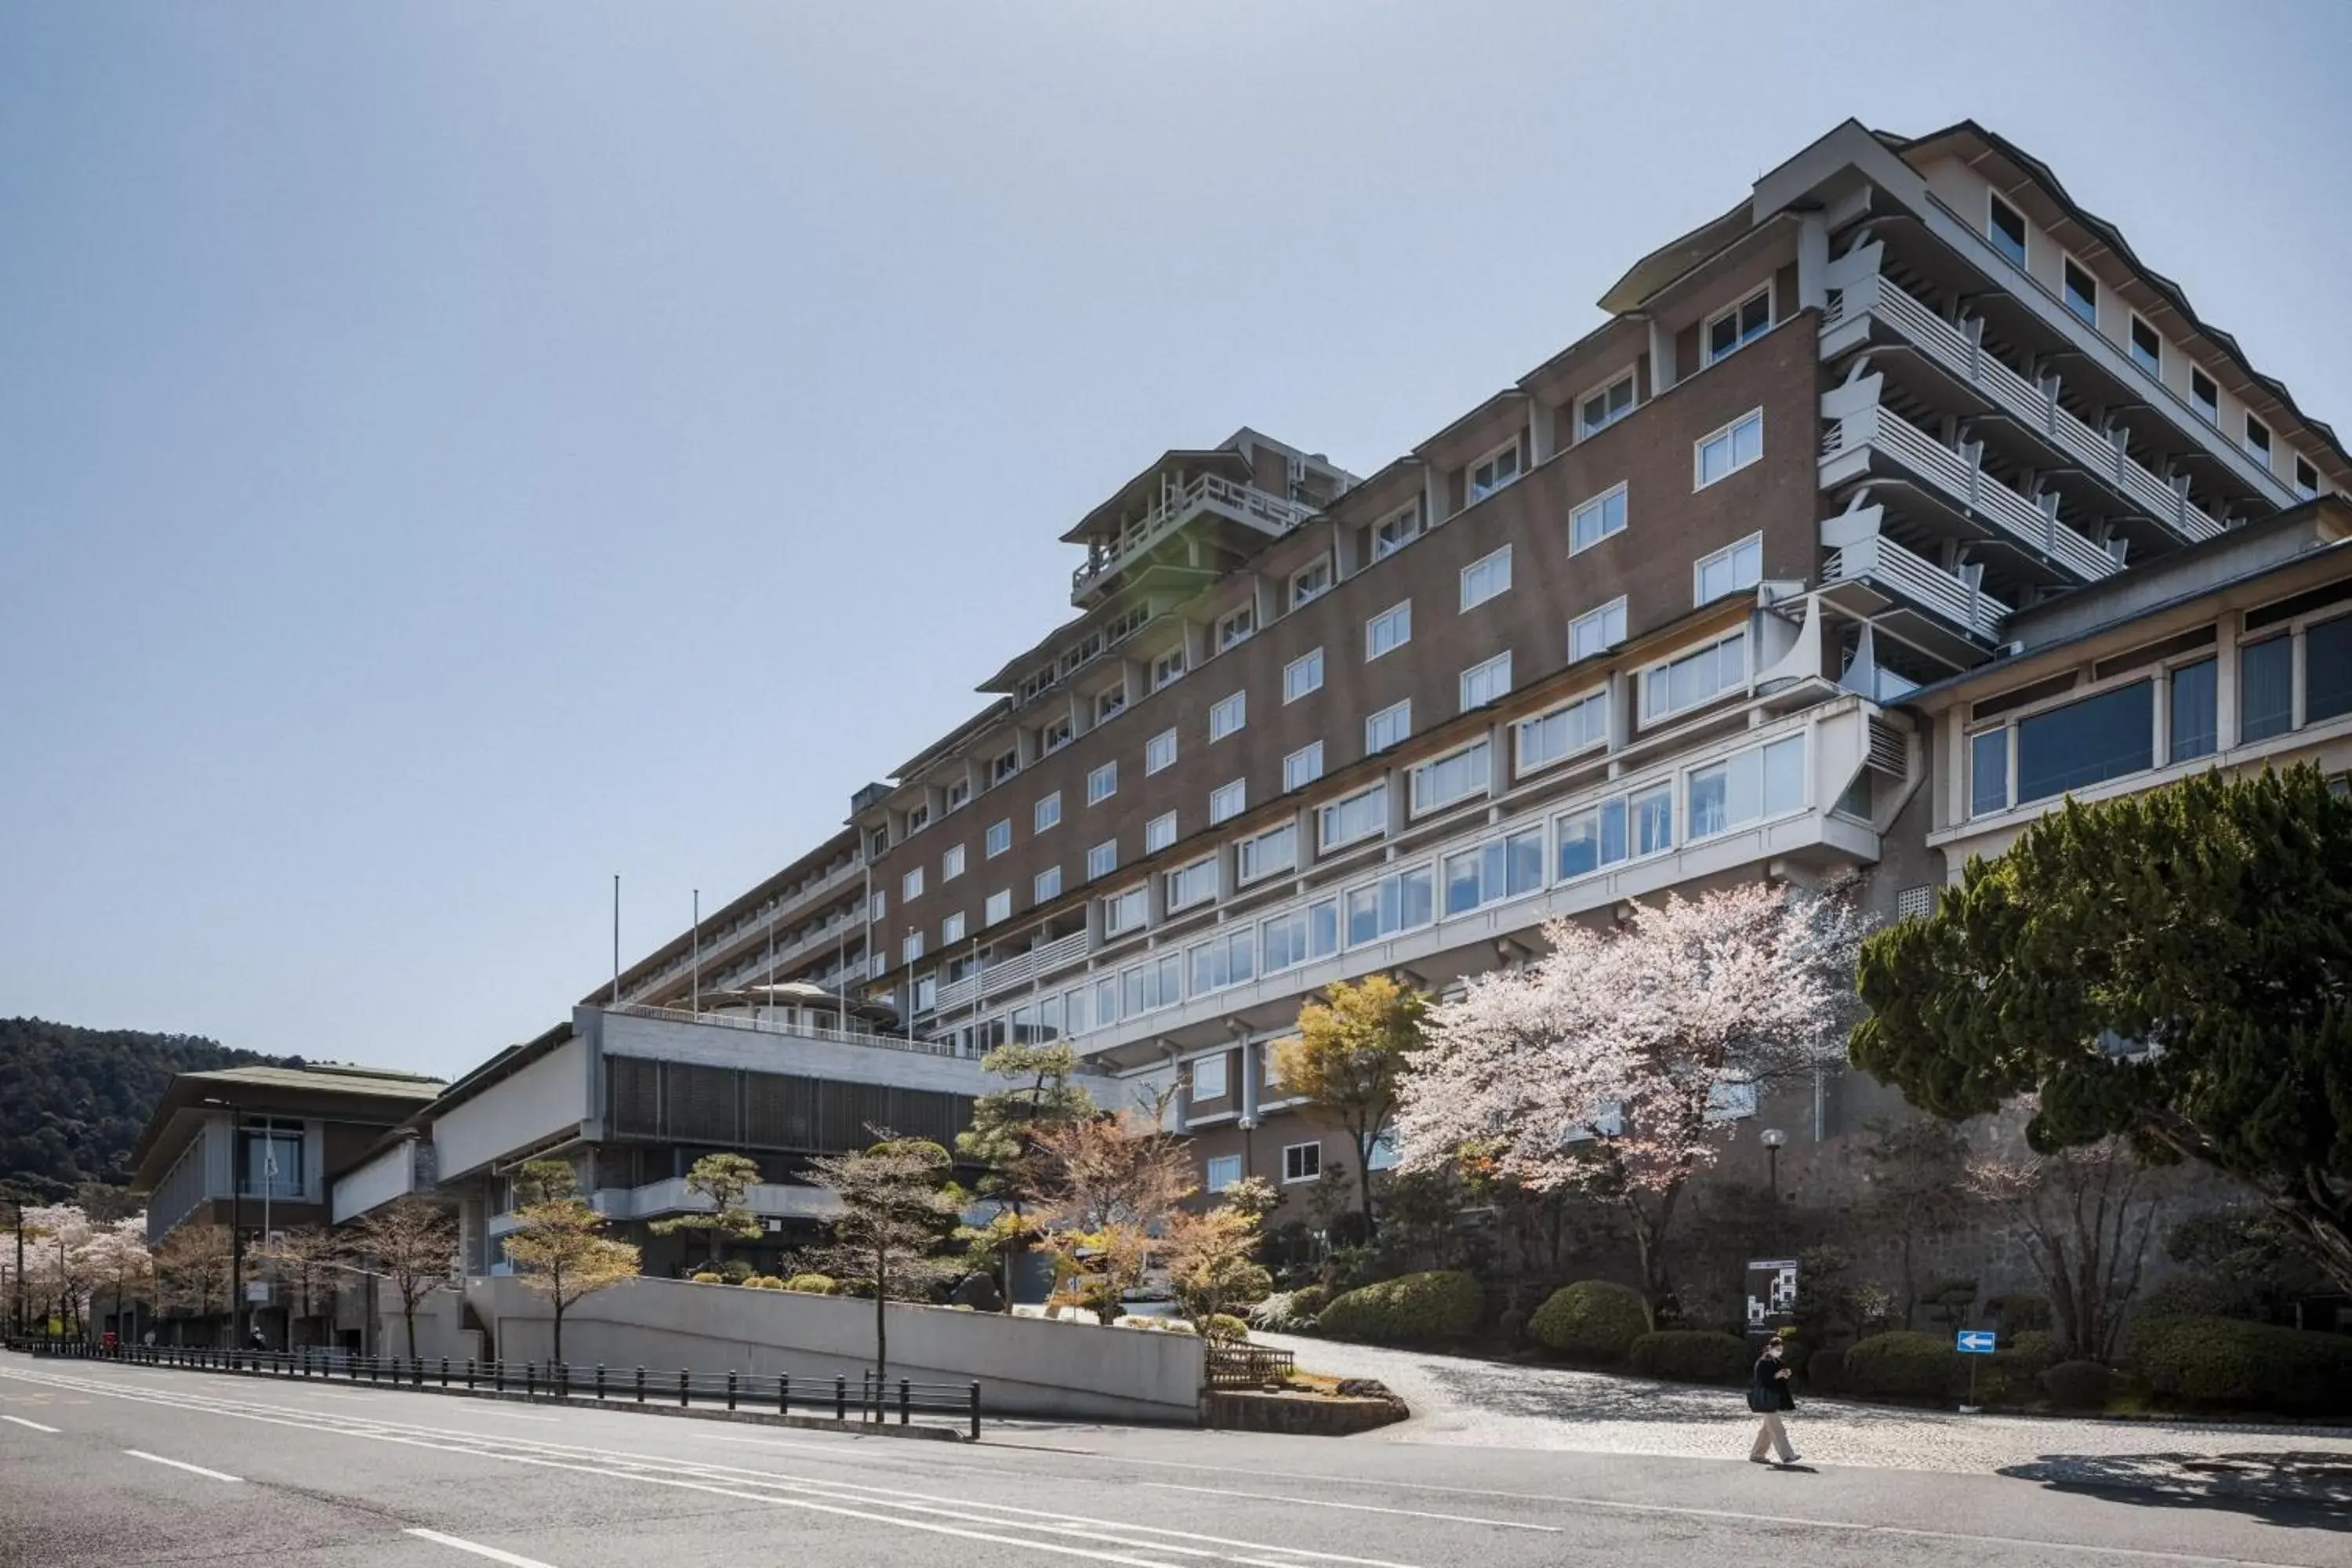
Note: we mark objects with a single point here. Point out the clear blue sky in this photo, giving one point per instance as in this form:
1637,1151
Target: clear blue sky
452,452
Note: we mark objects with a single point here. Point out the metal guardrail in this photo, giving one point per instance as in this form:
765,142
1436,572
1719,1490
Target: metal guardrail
1247,1366
865,1400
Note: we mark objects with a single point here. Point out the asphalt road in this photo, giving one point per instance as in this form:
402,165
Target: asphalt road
118,1466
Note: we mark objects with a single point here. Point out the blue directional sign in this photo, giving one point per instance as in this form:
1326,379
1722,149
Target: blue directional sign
1976,1341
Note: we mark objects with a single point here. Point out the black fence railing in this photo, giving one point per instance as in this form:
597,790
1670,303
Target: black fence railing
1247,1366
865,1399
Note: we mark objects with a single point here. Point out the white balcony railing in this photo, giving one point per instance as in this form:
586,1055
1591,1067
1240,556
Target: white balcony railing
1010,974
1961,477
1889,565
774,1027
1269,515
1962,353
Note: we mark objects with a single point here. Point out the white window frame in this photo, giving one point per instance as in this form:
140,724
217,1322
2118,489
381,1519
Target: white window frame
1484,672
1046,885
910,885
1047,812
1598,506
1389,537
1585,429
1167,668
1662,669
1256,847
1420,773
1288,1164
1228,800
1517,447
1237,626
1489,577
1056,734
998,909
1302,767
1398,620
959,793
2131,345
1401,714
997,839
1707,354
1600,614
2066,261
2260,452
1208,1084
1102,859
951,863
1521,767
1302,676
1321,564
1110,702
1159,833
1994,201
1326,812
918,819
1229,715
1117,904
910,947
1160,751
1102,783
1221,1171
1727,434
2197,405
1729,553
2303,466
1177,890
951,929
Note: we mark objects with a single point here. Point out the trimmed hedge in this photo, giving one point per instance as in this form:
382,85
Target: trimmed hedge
2077,1385
814,1284
1906,1365
2226,1361
1825,1371
1692,1355
1590,1321
1413,1309
708,1277
1307,1302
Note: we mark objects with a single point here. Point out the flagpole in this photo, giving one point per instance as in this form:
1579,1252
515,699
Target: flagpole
616,938
697,939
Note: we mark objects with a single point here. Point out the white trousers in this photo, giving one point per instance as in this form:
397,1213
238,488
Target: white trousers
1771,1433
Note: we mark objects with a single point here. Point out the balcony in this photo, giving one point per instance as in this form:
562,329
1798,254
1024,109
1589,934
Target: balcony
758,1025
768,1200
1862,302
1875,577
1861,439
1207,497
1012,972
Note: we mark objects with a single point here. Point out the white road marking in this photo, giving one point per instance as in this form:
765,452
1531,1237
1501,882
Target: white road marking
20,1421
179,1465
1356,1507
476,1548
511,1415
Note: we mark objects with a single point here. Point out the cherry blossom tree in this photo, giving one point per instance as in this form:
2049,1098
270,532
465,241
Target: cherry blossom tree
1610,1064
114,1261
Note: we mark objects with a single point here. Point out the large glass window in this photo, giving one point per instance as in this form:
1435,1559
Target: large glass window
1123,911
1388,727
1159,833
1729,450
1486,577
1502,869
1491,473
272,1163
1355,816
1455,776
1293,939
1487,682
1546,738
1160,751
1275,849
1302,675
2083,743
1591,839
1596,520
2193,725
1695,678
1390,629
1228,801
2265,690
1194,884
1726,793
1603,408
1222,961
1596,631
1303,766
1740,325
1654,820
1391,905
1988,772
1729,569
2327,669
1229,715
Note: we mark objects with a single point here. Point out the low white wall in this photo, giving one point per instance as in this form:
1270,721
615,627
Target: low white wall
440,1327
1026,1366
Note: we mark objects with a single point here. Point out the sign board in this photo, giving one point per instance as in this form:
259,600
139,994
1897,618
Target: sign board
257,1291
1772,1292
1976,1341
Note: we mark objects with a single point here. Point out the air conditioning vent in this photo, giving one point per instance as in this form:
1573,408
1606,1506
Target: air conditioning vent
1889,748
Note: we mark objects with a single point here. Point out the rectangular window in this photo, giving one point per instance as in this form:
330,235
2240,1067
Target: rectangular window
918,819
1696,677
910,885
1389,630
951,864
1502,869
1396,531
1729,569
1486,577
1546,738
1487,682
1222,962
1109,704
1236,628
1746,787
1592,838
1302,1162
1388,727
1492,472
1056,735
927,993
1988,772
999,838
1310,582
2258,441
1596,411
2306,480
2205,396
1654,820
1275,849
1353,817
1596,520
1159,833
2081,292
1189,885
1728,450
998,907
1379,911
2327,670
911,948
1047,812
1222,1172
1302,675
1301,936
2147,348
1229,715
1785,783
1005,767
2195,729
1102,859
1102,784
1456,777
2086,742
2006,228
1046,885
1160,751
1597,631
1209,1078
1740,326
1302,767
1228,801
1167,668
1123,912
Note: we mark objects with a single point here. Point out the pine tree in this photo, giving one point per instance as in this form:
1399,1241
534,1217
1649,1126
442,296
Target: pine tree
1347,1058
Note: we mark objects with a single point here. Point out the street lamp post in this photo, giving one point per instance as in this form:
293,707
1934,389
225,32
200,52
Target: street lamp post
235,1223
1772,1137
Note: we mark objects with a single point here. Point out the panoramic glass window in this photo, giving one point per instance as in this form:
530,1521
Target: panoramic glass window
2086,742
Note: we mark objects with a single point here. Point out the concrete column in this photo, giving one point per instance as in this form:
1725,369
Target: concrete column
1812,262
1436,505
1662,358
1252,1069
1543,431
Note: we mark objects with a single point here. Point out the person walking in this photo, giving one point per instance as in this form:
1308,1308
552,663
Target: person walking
1768,1395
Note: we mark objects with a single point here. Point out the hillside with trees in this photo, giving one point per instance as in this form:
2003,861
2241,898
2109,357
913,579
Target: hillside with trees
72,1100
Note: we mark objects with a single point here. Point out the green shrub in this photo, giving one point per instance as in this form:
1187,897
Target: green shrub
1306,1302
2027,1356
1415,1309
1156,1325
1226,1328
1279,1313
1904,1364
2226,1361
1590,1321
2019,1315
813,1285
765,1282
1825,1371
1692,1355
708,1277
2077,1385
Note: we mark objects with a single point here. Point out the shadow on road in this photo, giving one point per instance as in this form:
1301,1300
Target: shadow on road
2297,1490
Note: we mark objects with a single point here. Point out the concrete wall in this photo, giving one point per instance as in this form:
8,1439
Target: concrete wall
708,1045
440,1328
375,1182
1026,1366
547,1097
